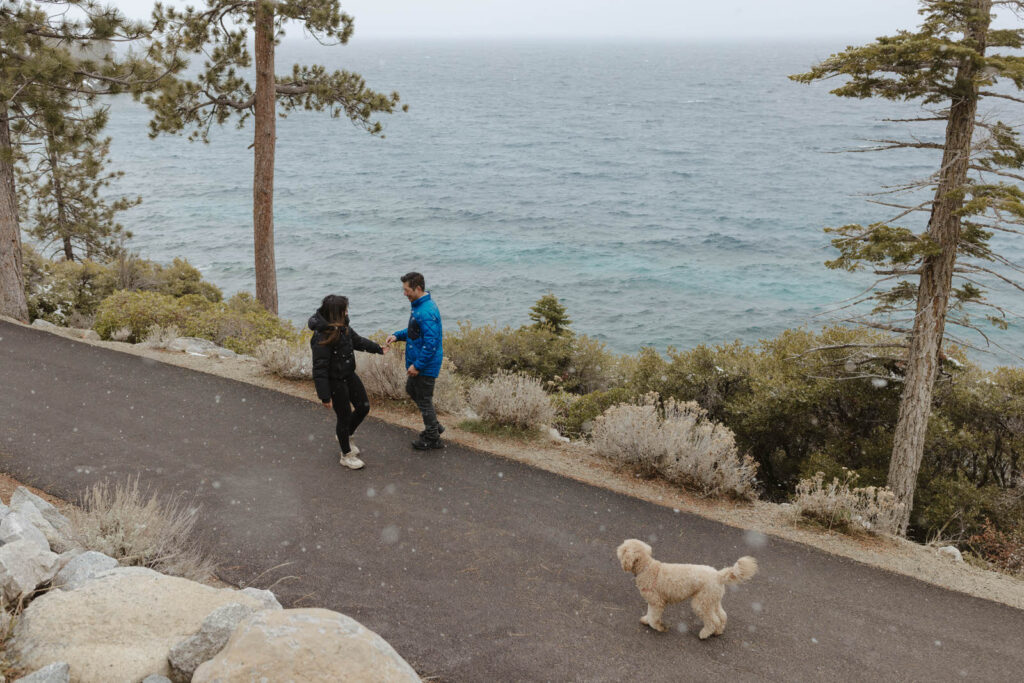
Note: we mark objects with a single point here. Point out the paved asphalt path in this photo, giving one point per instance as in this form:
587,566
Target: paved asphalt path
475,568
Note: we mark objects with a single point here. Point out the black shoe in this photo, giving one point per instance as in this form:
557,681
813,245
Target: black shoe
440,431
423,444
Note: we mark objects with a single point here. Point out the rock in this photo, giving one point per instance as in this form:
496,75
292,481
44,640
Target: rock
58,672
118,627
44,324
952,552
213,635
153,678
67,556
83,333
4,510
15,527
310,645
24,566
48,511
83,568
58,542
268,599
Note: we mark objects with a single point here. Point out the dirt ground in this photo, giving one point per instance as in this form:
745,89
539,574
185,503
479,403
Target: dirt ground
572,460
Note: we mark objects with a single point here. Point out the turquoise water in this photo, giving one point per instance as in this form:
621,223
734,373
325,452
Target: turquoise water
669,194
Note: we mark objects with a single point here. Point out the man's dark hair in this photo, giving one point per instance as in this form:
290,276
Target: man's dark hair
414,280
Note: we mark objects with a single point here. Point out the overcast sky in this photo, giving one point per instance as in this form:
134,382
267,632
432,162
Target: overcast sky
636,19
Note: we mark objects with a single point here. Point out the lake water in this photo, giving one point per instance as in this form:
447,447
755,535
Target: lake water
669,194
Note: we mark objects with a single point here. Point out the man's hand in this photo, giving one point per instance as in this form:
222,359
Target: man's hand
390,340
384,349
328,404
412,371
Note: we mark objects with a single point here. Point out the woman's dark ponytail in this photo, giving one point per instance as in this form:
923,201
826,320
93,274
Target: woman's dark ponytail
334,309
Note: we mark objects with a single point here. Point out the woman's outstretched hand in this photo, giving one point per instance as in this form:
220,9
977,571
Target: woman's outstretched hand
328,404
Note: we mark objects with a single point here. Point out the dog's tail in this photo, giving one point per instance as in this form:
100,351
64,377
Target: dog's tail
743,570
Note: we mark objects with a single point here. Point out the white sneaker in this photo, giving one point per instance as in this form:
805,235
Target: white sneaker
351,461
353,449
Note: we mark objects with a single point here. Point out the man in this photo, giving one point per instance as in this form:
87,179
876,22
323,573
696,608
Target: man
423,355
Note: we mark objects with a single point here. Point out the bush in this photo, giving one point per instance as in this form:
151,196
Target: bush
578,364
383,376
194,315
160,337
64,291
288,359
120,521
70,292
577,414
842,506
677,441
1005,550
511,399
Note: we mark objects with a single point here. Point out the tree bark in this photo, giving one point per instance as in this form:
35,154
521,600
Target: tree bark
263,143
936,277
12,284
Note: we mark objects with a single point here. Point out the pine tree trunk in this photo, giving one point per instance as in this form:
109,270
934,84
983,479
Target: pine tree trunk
12,284
63,229
263,175
936,279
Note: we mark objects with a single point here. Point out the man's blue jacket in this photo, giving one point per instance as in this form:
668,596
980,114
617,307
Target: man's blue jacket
423,345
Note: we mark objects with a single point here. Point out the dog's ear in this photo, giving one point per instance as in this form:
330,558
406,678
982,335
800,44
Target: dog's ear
629,554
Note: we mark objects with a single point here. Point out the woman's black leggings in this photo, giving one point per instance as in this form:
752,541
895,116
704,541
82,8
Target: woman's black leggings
351,405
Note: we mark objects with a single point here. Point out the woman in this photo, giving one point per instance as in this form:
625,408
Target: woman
334,344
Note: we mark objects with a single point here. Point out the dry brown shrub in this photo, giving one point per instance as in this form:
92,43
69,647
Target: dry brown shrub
291,360
512,399
677,441
841,505
139,529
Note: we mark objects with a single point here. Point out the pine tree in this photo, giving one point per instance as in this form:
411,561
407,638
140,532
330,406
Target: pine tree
937,273
220,33
549,314
54,57
60,179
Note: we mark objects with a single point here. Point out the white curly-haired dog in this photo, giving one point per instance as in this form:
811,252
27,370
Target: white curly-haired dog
662,584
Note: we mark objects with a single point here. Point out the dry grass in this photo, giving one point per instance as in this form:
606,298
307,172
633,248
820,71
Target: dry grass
512,399
139,529
842,506
383,376
160,337
286,359
677,441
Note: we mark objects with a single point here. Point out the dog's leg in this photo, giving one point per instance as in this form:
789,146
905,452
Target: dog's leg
707,610
653,617
720,629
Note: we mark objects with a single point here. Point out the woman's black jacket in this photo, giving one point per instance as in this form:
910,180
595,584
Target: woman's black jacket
337,361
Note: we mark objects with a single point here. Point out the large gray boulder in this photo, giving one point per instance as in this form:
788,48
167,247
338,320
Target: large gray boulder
82,568
48,511
200,347
309,645
24,566
120,626
213,635
267,598
16,527
58,541
58,672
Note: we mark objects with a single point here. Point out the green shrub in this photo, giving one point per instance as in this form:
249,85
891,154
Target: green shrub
561,362
576,415
194,315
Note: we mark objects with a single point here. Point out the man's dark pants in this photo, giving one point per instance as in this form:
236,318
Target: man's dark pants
421,390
